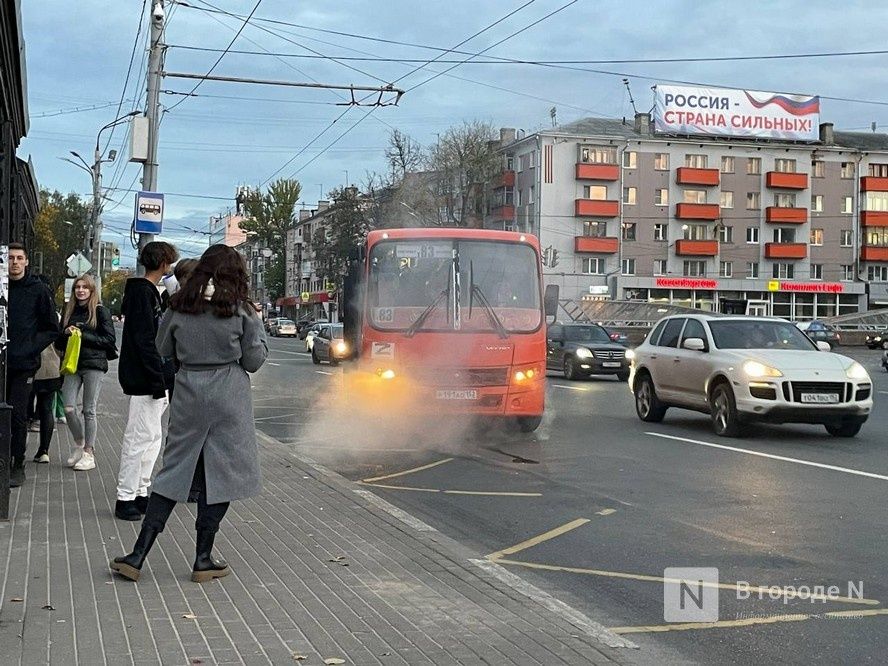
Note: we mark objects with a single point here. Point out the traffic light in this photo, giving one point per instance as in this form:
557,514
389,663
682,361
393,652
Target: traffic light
553,261
115,260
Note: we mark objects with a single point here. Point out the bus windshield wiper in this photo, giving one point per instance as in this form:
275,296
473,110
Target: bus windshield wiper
420,320
497,322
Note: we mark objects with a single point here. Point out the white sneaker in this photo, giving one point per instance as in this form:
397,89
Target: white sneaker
86,462
76,456
43,458
62,420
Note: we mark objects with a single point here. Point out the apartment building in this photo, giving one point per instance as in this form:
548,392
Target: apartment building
774,227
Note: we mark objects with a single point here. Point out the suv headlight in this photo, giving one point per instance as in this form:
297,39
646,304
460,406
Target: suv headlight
857,371
582,352
758,370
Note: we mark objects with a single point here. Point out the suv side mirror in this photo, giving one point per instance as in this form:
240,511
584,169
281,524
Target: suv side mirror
823,346
694,344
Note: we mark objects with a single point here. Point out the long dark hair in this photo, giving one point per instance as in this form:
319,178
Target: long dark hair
228,271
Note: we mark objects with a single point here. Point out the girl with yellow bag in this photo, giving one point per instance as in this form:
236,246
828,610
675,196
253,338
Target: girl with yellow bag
89,341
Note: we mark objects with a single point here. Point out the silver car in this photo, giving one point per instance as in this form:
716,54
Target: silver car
746,369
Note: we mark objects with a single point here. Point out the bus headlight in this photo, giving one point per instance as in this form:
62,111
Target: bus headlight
386,374
527,374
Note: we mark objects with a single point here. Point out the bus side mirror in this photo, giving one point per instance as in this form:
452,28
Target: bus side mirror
550,300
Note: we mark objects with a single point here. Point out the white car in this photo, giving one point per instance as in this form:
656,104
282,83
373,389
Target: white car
746,369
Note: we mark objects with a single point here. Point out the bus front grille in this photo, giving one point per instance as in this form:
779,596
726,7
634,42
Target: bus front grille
460,377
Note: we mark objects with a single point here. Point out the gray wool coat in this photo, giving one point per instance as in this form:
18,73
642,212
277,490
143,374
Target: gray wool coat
212,406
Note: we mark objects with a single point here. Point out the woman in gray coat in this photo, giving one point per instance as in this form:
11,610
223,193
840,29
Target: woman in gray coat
214,333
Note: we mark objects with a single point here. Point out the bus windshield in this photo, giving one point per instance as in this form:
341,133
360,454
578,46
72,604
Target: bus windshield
454,285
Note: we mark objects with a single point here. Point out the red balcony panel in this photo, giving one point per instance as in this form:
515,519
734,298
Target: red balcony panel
787,181
873,184
505,179
871,253
690,176
586,171
786,250
597,208
778,215
602,245
503,213
692,211
696,248
874,218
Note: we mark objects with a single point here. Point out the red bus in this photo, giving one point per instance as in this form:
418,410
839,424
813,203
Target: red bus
450,321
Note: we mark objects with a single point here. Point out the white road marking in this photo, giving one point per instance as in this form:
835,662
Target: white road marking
572,388
323,372
284,351
884,392
277,365
797,461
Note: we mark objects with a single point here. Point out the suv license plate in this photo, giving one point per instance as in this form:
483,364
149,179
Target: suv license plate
820,398
611,364
456,395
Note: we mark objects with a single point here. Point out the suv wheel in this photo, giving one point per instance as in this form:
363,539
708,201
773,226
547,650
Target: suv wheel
725,418
845,429
647,405
570,368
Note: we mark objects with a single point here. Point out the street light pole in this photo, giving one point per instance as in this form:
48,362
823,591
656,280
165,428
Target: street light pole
152,109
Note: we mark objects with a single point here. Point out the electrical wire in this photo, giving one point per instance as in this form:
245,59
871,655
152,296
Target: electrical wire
129,70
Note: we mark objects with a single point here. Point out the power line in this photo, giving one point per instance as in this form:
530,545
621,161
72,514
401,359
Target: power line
129,70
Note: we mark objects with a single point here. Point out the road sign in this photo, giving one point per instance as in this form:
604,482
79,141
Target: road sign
305,296
78,264
149,213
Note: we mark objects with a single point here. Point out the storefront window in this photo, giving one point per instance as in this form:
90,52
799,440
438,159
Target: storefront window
804,307
682,297
825,306
704,300
848,303
659,296
782,305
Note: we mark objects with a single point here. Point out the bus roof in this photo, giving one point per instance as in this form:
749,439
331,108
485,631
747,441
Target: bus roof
452,233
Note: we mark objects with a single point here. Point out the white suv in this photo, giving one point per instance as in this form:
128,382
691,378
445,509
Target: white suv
745,369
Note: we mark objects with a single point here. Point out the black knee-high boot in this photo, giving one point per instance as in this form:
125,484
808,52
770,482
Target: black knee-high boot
206,568
156,516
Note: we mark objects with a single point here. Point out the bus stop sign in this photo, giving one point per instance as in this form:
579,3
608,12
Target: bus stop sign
149,213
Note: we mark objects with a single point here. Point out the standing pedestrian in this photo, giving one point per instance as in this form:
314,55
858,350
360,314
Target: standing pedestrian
97,345
47,381
32,326
144,376
215,333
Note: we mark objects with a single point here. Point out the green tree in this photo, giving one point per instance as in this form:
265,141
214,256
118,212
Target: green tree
332,243
60,229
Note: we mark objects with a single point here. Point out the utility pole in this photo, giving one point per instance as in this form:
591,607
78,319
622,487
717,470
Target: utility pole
152,110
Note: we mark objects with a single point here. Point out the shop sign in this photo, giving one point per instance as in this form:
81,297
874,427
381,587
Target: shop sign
809,287
686,283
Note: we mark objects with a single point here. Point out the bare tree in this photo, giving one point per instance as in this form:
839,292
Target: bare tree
403,155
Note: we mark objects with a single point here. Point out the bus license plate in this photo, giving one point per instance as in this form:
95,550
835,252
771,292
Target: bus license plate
456,395
820,398
611,364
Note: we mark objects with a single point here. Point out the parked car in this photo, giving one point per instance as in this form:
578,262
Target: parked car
269,322
329,345
877,341
580,350
818,330
745,369
310,334
285,328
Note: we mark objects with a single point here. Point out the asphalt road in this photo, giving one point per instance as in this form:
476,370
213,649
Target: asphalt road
595,505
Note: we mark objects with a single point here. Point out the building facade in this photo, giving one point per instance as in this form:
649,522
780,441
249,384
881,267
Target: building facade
796,230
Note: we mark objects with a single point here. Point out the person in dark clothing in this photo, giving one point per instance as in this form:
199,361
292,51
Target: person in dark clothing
92,321
144,376
32,326
47,381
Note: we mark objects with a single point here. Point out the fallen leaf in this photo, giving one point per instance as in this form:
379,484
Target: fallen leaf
334,660
338,558
196,661
190,616
299,657
48,607
16,599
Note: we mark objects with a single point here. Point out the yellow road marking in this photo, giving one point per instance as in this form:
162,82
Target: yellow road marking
406,471
745,622
494,493
546,536
753,589
605,512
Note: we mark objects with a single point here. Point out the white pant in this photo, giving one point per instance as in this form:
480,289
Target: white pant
141,444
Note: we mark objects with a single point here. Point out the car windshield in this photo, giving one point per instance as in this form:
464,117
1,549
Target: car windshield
285,322
585,334
336,332
758,334
408,276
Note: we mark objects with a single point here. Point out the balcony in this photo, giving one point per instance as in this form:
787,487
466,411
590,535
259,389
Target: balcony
600,244
597,208
778,215
874,218
786,181
586,171
696,248
501,213
505,179
693,211
690,176
786,250
873,184
873,253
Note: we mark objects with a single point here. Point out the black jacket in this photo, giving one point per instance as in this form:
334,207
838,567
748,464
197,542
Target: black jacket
33,322
95,343
141,370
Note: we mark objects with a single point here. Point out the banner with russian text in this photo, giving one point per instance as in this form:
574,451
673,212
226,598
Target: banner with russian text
724,112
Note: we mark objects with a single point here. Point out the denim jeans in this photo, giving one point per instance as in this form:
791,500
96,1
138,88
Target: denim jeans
82,429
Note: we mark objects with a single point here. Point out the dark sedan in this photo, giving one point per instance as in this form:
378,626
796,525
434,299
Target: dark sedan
818,330
580,350
877,341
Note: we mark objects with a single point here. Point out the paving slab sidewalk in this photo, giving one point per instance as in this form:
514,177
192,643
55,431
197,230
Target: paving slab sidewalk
321,569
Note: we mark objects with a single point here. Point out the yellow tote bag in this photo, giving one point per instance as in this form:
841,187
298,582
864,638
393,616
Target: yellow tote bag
72,353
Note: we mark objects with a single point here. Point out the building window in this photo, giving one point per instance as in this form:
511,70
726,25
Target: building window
848,205
726,234
598,155
816,271
595,228
783,271
659,267
817,237
629,195
628,267
818,169
752,235
847,236
784,235
752,269
784,165
630,158
593,265
727,165
726,200
753,200
817,203
726,269
877,273
661,232
510,163
629,231
847,273
530,195
694,196
694,231
847,169
877,201
696,161
661,197
694,268
785,200
595,192
754,166
661,162
877,237
877,170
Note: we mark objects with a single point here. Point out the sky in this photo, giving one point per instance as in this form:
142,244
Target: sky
232,134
